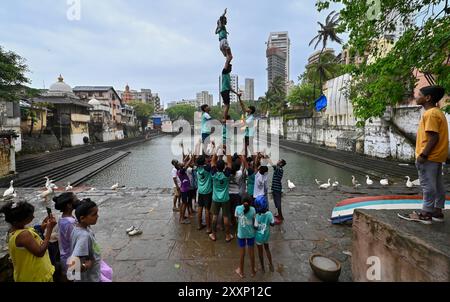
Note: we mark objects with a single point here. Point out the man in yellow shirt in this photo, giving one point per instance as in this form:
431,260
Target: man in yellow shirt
431,152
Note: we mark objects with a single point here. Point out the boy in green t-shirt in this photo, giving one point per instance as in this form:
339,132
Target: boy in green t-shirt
263,221
221,197
226,89
221,30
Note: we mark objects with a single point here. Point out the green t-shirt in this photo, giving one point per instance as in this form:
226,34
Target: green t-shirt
223,33
250,182
245,222
226,82
262,225
204,179
221,182
205,127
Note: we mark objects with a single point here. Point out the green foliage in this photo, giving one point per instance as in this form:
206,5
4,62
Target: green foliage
12,75
323,70
143,110
388,79
182,112
303,94
275,99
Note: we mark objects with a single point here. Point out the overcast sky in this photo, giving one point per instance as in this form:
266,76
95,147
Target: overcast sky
168,46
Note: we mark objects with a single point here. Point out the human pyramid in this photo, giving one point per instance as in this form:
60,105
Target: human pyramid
236,184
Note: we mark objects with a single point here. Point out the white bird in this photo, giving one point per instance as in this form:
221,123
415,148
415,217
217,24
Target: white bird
291,185
69,187
409,184
115,186
354,181
369,181
49,183
318,182
416,182
384,182
326,186
10,191
44,195
335,183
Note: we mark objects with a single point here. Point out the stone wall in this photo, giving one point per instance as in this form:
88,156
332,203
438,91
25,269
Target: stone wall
35,144
385,249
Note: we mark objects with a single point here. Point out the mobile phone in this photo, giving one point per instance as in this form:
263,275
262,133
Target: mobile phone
49,211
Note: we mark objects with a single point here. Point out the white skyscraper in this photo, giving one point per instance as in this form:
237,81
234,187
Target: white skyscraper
281,41
249,94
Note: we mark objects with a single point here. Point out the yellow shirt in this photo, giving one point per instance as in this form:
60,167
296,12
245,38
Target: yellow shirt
27,267
433,120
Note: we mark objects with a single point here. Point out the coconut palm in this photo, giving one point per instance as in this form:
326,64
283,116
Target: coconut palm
327,31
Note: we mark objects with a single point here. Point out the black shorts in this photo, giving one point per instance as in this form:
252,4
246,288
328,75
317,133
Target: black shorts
193,194
225,97
185,197
205,200
235,200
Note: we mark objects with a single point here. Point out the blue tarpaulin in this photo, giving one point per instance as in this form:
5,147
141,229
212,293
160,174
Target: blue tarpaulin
321,103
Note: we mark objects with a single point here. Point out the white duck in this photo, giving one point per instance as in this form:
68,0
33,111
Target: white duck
326,186
46,194
10,192
335,183
416,182
354,181
49,183
369,181
409,184
115,186
384,182
291,185
69,187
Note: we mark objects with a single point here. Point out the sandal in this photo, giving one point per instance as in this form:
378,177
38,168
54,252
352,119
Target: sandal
417,216
229,239
212,237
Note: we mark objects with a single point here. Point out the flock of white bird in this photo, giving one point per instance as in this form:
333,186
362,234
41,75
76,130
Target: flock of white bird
369,182
50,187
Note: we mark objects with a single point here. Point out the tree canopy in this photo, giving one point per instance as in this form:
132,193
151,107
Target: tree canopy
386,76
12,75
181,112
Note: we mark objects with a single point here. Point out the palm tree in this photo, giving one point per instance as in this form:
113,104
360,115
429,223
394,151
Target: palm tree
328,31
324,69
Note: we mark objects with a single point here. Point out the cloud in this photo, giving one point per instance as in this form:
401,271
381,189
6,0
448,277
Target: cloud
168,46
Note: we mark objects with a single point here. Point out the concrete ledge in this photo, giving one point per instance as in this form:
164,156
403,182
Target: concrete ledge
407,251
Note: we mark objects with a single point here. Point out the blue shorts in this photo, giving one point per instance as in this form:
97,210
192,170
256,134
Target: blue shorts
250,242
205,136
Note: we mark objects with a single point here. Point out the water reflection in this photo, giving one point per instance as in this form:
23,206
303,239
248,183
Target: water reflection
148,165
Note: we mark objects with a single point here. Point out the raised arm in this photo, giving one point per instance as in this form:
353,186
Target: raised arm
229,162
244,109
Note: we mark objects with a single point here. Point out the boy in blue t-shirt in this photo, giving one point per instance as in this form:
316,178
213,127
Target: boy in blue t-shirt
263,221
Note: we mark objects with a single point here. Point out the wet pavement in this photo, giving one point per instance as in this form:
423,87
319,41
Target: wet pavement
168,251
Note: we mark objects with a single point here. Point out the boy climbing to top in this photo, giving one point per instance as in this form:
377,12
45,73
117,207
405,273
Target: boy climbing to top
221,30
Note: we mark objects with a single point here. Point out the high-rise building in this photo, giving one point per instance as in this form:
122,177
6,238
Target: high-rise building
281,41
204,98
234,86
276,65
249,92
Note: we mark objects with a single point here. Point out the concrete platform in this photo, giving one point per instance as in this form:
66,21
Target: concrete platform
407,251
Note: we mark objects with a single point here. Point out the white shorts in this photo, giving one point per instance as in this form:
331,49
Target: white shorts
224,46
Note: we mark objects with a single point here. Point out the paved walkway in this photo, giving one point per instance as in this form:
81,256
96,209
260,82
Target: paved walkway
168,251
